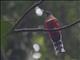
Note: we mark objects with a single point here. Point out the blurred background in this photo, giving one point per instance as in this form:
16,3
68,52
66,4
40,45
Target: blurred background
37,45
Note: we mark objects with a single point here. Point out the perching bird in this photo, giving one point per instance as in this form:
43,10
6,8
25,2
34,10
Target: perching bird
56,36
51,23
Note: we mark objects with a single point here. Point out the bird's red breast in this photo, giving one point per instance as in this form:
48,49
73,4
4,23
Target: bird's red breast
51,22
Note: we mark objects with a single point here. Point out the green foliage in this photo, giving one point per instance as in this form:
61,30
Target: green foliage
71,15
5,28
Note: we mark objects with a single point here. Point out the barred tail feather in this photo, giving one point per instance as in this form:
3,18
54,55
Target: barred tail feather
59,48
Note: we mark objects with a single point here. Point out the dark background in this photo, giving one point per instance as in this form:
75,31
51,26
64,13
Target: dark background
18,45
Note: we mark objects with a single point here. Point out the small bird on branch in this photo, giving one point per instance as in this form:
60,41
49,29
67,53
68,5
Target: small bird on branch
51,23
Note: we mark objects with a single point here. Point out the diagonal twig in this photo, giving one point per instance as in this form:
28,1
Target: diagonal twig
32,7
38,29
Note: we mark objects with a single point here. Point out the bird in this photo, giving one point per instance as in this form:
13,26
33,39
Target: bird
51,22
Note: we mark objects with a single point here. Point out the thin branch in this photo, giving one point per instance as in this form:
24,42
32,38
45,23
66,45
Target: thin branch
38,29
43,29
32,7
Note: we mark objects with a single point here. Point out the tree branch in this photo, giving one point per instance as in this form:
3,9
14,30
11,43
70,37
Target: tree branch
38,29
43,29
32,7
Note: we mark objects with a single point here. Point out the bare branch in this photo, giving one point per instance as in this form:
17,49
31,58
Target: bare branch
38,29
32,7
43,29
